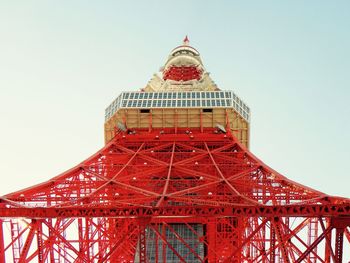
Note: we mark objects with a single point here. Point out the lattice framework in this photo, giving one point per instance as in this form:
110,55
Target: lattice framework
117,205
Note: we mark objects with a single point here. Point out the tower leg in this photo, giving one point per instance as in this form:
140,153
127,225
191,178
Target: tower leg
40,242
328,246
2,247
211,237
142,241
272,243
339,236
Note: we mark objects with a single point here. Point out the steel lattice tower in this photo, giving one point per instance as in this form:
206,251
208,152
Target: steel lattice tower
175,182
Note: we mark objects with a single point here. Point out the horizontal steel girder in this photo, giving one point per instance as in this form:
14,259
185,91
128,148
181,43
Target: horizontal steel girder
190,211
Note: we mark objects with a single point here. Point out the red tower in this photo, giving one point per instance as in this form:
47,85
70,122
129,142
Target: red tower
175,182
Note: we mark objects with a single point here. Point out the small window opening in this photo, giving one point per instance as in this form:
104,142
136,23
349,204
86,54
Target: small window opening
207,110
144,111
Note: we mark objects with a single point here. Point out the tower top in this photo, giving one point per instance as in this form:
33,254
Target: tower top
183,71
180,95
186,41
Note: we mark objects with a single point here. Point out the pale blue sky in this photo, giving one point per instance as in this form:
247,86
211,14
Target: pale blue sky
63,62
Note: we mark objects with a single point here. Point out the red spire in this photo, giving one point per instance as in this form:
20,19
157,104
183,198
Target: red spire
186,41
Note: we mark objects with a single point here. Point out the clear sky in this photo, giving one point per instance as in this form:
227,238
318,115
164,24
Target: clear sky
63,62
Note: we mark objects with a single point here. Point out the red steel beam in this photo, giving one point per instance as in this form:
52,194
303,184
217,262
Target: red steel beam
166,185
314,244
307,210
2,244
339,237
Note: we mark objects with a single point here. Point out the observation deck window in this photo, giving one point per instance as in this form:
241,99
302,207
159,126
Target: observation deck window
184,99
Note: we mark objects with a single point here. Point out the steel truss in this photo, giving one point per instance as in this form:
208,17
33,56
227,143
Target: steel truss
161,196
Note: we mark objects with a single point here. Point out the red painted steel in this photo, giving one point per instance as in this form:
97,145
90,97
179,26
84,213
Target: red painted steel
182,73
114,205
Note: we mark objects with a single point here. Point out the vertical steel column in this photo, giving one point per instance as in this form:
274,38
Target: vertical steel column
81,236
51,242
240,223
101,238
31,231
156,241
211,232
164,243
311,237
142,241
264,241
87,238
272,243
281,242
328,248
2,247
39,238
339,236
